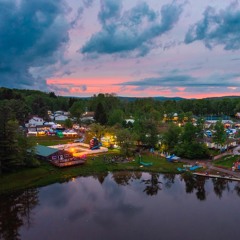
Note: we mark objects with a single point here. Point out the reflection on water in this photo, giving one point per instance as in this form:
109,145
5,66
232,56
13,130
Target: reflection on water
16,211
130,205
152,184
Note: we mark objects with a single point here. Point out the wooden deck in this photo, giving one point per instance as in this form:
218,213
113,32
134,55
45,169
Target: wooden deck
217,176
68,163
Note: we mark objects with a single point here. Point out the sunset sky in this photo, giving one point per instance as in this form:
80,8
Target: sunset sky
184,48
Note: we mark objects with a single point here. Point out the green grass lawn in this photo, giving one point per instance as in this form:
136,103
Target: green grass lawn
50,140
226,161
47,174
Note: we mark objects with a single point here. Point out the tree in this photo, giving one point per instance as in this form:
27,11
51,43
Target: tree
20,109
52,95
219,136
77,109
171,137
17,212
153,184
39,105
116,116
68,123
189,133
200,127
189,145
13,144
5,116
125,139
96,130
146,132
100,114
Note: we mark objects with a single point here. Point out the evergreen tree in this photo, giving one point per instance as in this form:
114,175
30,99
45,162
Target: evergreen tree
100,114
13,144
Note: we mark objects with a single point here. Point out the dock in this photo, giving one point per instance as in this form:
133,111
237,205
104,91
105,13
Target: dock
217,176
68,163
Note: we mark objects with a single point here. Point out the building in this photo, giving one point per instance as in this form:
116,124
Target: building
57,157
230,143
35,121
88,117
237,115
60,118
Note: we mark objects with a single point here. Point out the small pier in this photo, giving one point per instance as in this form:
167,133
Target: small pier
217,176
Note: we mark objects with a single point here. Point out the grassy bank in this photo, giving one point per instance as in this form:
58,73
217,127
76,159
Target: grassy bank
47,174
226,161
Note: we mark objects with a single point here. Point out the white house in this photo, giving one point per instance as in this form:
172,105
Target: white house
229,144
60,117
35,121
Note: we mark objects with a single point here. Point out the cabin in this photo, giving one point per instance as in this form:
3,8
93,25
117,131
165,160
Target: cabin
57,157
35,121
237,115
88,117
58,117
230,143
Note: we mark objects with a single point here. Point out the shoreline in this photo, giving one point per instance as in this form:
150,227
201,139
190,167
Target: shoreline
217,176
47,174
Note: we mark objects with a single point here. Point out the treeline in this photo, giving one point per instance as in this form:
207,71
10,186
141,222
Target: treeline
109,107
16,106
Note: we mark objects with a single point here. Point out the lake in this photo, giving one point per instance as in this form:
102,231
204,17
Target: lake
124,205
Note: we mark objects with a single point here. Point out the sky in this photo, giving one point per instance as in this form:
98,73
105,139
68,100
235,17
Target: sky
181,48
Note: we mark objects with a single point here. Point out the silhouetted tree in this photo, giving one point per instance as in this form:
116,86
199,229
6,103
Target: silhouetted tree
100,114
153,185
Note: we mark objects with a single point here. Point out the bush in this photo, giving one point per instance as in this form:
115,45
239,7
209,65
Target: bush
192,151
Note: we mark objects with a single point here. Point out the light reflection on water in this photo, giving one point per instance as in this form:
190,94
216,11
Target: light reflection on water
130,205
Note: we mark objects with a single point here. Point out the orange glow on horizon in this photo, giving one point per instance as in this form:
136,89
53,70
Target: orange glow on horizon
74,87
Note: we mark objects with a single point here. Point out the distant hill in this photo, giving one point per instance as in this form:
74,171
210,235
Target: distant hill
130,99
222,97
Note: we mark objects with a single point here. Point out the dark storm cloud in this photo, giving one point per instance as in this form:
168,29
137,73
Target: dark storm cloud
222,28
132,30
110,9
222,80
32,34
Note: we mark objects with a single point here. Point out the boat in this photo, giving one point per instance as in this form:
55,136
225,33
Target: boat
181,169
172,158
193,168
146,164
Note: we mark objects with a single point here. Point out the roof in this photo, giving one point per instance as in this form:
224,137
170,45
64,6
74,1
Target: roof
45,151
88,114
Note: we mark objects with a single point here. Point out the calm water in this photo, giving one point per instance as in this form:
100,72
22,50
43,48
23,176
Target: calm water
124,206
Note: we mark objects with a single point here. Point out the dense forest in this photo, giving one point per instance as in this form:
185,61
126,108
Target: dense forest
29,102
154,121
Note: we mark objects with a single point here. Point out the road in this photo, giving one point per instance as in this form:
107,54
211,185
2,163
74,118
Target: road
236,150
223,170
209,166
